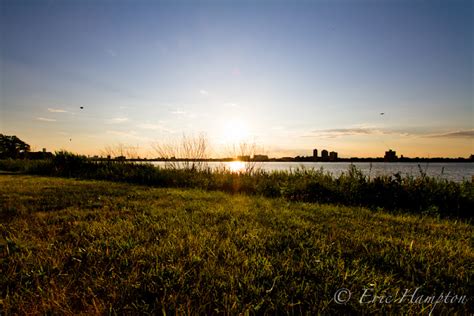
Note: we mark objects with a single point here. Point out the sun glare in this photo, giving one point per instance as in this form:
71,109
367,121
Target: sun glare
235,131
236,166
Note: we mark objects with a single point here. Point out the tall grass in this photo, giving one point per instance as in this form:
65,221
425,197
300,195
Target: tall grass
421,195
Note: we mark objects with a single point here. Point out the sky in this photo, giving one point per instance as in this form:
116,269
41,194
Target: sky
288,76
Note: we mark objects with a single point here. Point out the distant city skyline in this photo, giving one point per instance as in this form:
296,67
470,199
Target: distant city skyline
354,77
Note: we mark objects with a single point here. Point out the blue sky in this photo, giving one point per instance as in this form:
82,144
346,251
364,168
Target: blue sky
289,76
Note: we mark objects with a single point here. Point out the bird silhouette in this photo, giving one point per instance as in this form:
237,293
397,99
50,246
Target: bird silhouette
82,107
382,113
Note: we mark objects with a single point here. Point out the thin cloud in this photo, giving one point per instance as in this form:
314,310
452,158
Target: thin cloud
120,133
339,132
357,131
129,134
155,127
44,119
117,120
456,134
52,110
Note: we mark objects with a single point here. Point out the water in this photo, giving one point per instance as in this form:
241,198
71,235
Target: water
455,171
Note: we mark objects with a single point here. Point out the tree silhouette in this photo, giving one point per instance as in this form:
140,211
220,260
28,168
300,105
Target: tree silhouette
12,147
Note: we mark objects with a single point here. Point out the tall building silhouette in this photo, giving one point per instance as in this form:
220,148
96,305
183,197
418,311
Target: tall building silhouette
324,154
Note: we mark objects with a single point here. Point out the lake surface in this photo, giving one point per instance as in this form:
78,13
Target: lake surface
455,171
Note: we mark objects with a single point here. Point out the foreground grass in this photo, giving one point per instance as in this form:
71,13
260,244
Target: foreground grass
70,246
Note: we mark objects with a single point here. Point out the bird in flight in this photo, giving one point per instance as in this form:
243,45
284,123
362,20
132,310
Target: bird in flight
82,107
382,113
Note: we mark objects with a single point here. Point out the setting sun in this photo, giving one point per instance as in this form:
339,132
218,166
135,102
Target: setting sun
235,131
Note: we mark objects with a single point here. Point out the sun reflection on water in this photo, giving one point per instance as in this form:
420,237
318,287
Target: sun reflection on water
236,166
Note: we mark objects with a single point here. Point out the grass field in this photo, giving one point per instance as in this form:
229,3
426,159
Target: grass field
81,246
392,193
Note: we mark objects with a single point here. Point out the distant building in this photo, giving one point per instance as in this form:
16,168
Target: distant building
333,156
260,157
324,154
315,153
243,158
390,155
